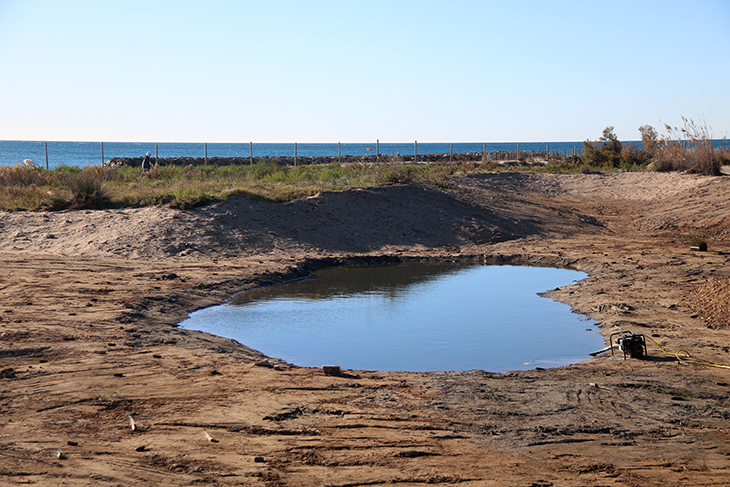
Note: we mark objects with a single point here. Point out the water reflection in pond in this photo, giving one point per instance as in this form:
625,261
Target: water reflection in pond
414,317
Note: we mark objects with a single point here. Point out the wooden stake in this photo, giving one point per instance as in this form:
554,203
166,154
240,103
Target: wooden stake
451,151
102,153
295,154
156,158
206,153
250,152
415,152
45,145
377,150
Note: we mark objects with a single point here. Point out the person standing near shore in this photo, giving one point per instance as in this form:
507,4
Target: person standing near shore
146,162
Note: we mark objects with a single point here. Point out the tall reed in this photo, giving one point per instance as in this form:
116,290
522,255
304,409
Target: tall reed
688,148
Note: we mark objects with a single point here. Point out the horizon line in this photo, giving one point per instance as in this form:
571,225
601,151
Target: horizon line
298,142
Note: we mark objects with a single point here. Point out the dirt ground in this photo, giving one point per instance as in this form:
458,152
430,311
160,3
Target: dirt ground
88,343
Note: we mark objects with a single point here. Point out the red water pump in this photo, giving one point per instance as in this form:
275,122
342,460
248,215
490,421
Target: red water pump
630,344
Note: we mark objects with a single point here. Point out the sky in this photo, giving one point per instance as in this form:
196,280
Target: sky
357,71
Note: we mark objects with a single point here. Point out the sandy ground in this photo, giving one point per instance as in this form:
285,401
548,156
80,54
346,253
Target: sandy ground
88,343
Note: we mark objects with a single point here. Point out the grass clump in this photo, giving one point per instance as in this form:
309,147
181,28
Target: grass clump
86,186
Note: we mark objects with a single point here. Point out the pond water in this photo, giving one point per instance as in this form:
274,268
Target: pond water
410,317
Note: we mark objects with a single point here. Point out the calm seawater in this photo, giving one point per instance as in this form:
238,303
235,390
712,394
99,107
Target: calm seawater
83,154
413,317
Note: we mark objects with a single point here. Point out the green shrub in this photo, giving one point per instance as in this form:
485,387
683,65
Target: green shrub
700,243
607,152
86,186
649,138
66,170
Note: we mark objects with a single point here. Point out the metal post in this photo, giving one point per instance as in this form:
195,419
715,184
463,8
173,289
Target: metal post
377,150
157,162
484,151
339,154
205,145
102,153
451,151
45,145
250,152
415,152
295,153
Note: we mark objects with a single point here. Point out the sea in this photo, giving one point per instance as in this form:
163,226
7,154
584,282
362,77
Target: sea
82,154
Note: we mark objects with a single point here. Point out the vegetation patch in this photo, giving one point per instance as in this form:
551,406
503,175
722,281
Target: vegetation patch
27,187
687,148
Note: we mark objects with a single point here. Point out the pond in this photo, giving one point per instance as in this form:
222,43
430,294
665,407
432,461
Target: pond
410,317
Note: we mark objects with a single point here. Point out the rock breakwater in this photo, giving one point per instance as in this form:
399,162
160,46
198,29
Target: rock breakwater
478,157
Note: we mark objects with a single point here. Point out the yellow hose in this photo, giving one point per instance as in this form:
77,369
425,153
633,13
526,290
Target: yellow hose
683,356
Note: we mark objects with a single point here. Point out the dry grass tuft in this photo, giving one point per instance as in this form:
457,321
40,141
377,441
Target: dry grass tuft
22,176
688,148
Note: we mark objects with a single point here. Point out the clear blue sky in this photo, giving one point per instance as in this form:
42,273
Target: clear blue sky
354,71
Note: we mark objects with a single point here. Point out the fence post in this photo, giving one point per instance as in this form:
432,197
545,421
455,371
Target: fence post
102,153
518,151
415,152
451,151
157,158
484,151
547,151
377,150
295,154
250,152
45,146
339,154
205,145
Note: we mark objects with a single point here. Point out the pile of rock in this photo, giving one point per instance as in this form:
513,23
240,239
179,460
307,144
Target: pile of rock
307,160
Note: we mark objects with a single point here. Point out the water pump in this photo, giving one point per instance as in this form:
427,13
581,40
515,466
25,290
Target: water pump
630,344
